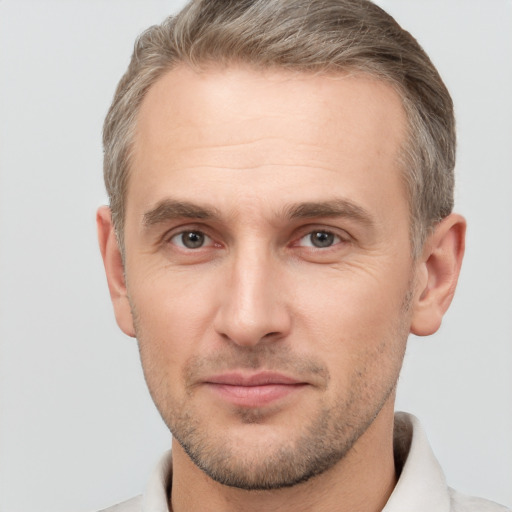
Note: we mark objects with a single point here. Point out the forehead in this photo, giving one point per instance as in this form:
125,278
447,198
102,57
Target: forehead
244,127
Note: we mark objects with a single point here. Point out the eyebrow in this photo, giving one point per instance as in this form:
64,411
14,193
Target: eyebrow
333,208
170,209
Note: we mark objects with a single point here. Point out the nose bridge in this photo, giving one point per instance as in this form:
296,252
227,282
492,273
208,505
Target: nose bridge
252,306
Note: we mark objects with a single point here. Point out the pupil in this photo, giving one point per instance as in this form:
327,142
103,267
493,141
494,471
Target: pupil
193,239
322,239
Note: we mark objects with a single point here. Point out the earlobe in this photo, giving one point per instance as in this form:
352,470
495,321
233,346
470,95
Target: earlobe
114,270
437,274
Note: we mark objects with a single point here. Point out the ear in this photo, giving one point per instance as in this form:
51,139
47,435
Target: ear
437,274
115,270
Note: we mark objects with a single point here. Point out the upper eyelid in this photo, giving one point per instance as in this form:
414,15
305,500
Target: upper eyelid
209,241
334,246
212,233
184,228
182,231
306,230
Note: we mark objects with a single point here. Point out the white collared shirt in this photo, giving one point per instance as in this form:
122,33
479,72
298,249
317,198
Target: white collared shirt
421,485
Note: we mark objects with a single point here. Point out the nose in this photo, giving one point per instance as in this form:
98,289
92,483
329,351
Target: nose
252,300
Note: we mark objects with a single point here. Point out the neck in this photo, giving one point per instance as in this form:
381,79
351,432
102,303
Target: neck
363,480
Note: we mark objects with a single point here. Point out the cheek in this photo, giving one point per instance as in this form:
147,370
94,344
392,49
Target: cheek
358,323
348,302
172,318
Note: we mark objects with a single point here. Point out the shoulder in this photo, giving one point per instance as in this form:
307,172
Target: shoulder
154,498
463,503
132,505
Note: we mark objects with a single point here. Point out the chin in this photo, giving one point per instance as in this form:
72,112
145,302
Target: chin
254,456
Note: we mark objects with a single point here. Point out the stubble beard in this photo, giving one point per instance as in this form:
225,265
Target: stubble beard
317,446
321,445
325,441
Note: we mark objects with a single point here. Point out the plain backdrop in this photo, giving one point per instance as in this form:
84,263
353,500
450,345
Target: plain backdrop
78,430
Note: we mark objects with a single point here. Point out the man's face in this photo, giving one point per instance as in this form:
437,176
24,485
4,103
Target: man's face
268,265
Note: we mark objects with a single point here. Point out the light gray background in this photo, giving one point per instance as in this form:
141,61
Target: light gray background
77,428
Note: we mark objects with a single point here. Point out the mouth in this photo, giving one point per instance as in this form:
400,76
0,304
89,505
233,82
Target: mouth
253,390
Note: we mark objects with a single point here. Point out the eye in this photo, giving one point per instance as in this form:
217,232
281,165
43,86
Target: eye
191,240
319,239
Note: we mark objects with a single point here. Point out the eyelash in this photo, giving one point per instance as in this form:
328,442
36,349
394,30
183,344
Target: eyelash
333,238
308,231
181,234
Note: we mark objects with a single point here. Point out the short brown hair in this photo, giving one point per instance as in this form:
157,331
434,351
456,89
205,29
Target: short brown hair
300,35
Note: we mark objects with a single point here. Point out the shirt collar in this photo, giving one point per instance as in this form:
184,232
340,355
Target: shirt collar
155,496
421,485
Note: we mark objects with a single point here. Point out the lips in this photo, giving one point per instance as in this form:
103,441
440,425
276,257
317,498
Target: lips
253,390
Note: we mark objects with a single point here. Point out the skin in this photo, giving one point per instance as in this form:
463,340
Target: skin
254,168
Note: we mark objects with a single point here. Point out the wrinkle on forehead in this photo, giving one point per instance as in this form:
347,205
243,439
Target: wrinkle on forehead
228,112
304,138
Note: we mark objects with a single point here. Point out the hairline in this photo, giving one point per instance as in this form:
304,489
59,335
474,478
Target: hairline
417,229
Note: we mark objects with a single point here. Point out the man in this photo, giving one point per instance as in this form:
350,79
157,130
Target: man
280,175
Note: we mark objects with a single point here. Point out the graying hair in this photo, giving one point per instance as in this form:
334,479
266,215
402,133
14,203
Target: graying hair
319,36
